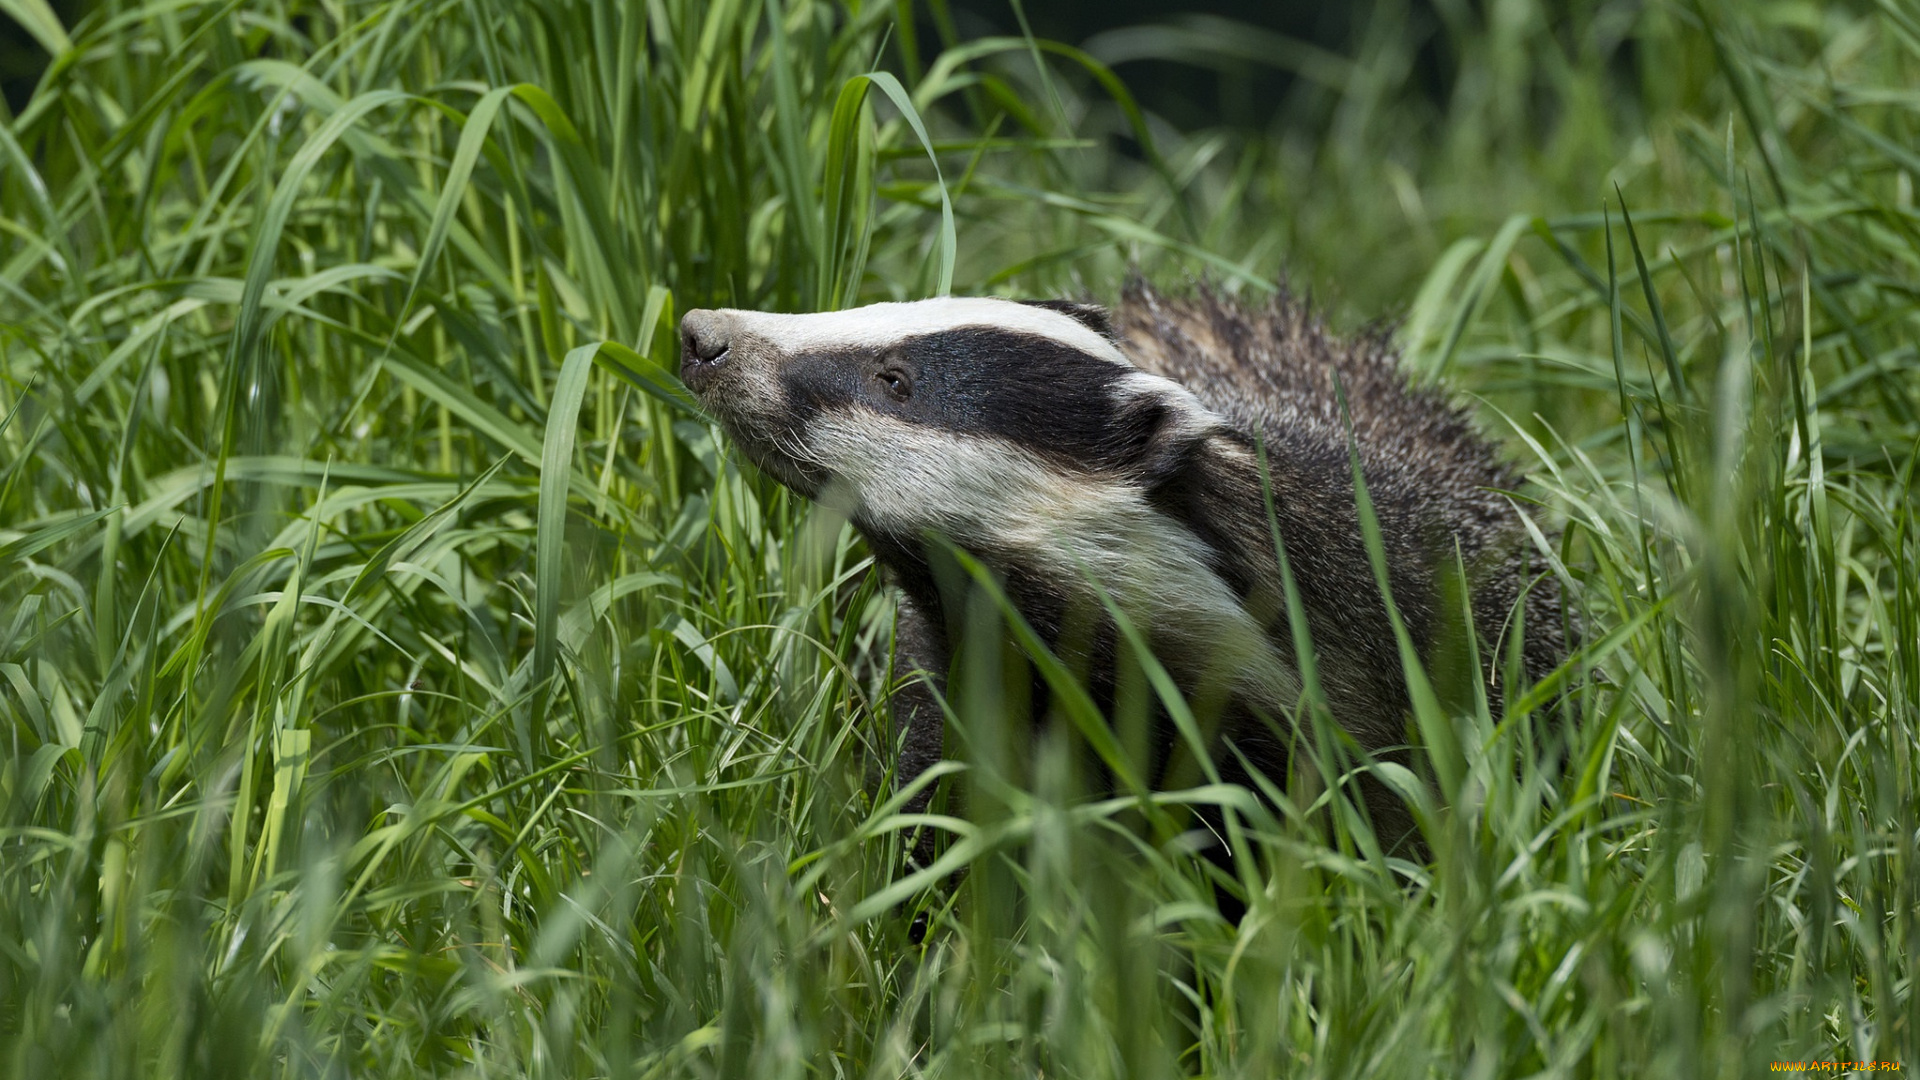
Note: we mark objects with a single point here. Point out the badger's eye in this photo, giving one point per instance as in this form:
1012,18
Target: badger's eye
896,383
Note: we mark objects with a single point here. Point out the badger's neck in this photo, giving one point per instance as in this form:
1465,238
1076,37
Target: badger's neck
1196,584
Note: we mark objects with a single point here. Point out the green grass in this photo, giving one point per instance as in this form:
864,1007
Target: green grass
396,679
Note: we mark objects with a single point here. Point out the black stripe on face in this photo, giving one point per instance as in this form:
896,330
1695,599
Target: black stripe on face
1033,391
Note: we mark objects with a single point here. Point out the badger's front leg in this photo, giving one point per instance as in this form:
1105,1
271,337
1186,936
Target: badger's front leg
919,725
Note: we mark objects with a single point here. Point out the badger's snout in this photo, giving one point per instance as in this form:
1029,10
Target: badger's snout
706,339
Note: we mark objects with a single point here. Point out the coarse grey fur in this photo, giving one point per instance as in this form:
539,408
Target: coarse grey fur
1058,442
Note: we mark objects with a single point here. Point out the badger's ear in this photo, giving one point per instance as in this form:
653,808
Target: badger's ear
1153,440
1092,316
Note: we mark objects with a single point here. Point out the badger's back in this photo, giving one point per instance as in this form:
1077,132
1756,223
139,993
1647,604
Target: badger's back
1438,487
1274,368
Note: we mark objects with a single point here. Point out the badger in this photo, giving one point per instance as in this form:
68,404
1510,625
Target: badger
1153,459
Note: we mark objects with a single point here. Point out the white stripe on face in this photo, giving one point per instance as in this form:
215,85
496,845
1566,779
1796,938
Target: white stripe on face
903,478
877,326
987,493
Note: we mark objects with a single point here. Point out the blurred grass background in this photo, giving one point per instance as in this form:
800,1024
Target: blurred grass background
397,679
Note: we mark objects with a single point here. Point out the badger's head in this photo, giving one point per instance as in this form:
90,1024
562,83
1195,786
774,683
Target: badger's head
989,421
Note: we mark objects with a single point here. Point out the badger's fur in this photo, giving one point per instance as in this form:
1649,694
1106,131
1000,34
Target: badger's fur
1063,445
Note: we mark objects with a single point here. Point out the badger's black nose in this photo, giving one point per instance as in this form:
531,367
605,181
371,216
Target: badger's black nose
704,341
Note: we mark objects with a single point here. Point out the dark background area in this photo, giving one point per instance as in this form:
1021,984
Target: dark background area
22,60
1233,93
1237,94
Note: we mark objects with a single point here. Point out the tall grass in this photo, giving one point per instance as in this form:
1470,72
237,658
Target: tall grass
400,678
